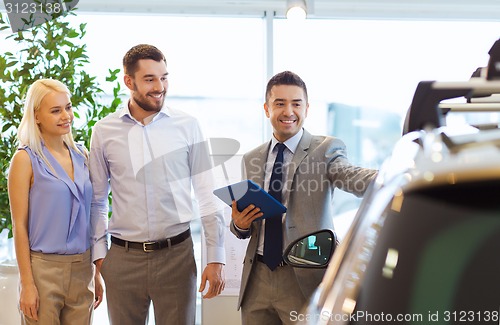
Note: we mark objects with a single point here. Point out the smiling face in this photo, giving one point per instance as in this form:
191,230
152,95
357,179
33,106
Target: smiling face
55,114
148,86
286,107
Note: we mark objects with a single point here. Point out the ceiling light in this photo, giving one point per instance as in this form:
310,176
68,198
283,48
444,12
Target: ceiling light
296,9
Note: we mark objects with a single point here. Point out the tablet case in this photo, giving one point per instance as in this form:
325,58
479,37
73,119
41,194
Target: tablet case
247,192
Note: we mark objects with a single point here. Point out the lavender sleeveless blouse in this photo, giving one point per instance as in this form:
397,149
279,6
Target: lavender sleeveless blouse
59,208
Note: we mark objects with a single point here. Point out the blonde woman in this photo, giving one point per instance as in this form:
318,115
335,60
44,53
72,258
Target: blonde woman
50,194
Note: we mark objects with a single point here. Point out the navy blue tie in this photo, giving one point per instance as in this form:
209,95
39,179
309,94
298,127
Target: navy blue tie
273,236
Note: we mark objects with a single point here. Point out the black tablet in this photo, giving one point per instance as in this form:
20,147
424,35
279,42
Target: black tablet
247,192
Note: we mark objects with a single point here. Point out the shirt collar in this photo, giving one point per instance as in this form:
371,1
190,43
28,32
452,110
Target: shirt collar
165,110
292,143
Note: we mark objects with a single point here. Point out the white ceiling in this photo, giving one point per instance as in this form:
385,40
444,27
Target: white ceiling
351,9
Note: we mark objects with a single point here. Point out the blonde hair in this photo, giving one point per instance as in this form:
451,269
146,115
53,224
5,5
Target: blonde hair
28,132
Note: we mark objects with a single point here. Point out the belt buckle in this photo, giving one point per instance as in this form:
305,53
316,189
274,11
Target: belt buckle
145,248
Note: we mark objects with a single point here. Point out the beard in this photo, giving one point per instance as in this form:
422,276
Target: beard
145,103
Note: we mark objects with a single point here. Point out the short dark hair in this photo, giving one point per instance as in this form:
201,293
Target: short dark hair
141,52
285,78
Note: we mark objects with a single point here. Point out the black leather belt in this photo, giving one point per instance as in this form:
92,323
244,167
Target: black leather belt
260,258
153,245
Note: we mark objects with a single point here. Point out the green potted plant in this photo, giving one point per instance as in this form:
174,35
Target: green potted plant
51,50
54,49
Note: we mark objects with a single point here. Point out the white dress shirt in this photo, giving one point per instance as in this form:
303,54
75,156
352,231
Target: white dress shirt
151,170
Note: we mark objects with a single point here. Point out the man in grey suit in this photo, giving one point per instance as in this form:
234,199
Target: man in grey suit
313,166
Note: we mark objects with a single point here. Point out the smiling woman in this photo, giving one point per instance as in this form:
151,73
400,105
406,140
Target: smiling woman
50,193
55,115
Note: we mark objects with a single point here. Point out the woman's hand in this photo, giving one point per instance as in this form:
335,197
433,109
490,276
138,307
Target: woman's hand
29,301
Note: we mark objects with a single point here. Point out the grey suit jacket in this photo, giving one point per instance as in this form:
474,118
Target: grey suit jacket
319,165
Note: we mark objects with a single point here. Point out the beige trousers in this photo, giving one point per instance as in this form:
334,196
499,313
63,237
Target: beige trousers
272,297
65,286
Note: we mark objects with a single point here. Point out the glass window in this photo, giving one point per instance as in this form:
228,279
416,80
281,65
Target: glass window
216,65
362,74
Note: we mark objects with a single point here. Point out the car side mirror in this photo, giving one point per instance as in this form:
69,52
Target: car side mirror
311,251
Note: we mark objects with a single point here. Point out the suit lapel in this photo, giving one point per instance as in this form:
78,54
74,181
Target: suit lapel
298,157
256,170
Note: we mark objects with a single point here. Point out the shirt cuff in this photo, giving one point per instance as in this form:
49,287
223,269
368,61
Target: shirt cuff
216,255
99,250
243,232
